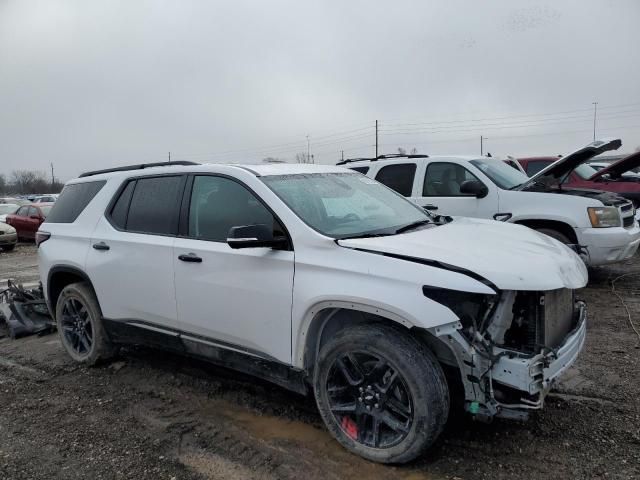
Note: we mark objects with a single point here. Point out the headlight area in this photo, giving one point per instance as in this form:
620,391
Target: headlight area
604,217
505,344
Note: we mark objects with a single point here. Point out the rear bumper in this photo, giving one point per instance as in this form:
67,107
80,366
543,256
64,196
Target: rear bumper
609,245
536,375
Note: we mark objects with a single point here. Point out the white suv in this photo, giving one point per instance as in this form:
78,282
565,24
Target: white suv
321,280
602,223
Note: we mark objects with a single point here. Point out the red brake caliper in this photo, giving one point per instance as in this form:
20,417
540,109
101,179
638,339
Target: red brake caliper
350,427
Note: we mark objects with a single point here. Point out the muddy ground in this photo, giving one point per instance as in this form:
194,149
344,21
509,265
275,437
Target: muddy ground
155,416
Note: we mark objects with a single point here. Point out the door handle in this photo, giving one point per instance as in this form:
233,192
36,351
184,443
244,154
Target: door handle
191,257
430,206
101,246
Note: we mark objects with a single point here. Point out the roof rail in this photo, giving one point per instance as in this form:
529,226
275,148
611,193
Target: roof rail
383,157
138,166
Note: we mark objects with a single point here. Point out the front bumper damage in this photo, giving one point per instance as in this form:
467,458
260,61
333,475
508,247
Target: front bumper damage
509,383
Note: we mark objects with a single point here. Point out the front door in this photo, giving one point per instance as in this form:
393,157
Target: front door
441,192
236,299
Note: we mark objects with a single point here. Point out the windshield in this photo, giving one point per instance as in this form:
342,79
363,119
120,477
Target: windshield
45,210
500,173
8,208
585,171
342,205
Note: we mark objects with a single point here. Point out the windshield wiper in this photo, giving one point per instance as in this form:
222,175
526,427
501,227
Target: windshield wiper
413,225
366,235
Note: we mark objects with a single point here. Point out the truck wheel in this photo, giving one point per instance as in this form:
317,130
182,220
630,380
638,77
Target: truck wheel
8,248
79,322
561,237
381,393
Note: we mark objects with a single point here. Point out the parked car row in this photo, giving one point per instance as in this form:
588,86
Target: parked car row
326,282
600,223
21,217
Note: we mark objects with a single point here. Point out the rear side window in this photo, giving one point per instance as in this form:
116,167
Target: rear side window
73,200
121,207
154,205
362,170
398,177
535,166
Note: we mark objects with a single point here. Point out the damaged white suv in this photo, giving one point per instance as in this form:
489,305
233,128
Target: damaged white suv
321,280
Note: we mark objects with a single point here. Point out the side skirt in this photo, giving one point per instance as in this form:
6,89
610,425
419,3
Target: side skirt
134,332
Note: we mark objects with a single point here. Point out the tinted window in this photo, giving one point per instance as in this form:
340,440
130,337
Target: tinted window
217,204
535,166
362,170
398,177
154,205
121,207
444,179
73,200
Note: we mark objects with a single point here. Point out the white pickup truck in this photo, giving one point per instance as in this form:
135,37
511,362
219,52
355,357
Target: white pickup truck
603,224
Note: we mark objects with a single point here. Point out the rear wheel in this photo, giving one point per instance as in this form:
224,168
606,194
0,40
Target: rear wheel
381,393
561,237
8,248
79,323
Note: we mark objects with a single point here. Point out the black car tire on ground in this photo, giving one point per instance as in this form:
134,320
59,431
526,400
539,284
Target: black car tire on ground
8,248
561,237
398,413
79,322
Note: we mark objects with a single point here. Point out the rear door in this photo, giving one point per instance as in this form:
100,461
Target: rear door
236,299
441,191
131,259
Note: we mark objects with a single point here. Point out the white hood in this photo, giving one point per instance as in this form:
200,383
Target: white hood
512,257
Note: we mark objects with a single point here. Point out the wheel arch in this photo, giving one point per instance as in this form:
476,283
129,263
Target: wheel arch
59,277
328,318
566,229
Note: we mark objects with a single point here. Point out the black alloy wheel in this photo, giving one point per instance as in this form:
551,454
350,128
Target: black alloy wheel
369,399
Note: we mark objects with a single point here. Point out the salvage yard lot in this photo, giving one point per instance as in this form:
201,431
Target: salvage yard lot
152,415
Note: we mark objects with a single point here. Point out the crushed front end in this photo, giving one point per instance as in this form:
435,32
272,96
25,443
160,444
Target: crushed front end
510,347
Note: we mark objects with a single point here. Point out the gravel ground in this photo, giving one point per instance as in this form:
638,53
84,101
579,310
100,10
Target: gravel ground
158,416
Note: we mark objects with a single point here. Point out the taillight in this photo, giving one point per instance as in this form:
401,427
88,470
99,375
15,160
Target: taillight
42,237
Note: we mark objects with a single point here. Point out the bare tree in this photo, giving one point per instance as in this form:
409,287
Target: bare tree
413,151
29,181
402,151
3,184
302,158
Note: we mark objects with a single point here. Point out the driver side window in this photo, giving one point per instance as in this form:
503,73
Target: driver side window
218,203
445,179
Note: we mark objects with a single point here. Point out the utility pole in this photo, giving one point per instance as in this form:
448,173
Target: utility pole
53,178
376,138
481,146
169,157
595,111
308,150
342,154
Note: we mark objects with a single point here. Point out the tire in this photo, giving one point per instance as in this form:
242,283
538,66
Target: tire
9,248
416,400
561,237
79,322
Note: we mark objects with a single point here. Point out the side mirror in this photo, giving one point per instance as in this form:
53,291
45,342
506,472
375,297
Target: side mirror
254,236
475,188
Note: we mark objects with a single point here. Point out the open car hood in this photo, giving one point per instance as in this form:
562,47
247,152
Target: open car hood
568,163
617,169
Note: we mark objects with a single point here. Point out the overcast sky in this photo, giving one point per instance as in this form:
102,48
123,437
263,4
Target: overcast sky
93,84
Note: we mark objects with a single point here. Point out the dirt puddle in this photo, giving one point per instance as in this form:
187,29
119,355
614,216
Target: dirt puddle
314,446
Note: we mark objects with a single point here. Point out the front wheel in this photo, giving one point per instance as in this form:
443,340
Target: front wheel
381,393
561,237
